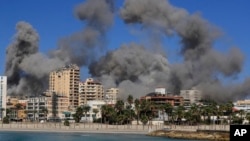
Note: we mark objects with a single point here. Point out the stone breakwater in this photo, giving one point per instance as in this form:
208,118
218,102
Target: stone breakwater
196,135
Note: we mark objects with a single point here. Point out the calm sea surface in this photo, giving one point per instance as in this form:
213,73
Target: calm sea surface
35,136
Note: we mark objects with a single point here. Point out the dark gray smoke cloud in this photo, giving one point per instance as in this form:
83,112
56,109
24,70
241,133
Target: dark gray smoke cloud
202,66
25,44
133,68
84,47
27,69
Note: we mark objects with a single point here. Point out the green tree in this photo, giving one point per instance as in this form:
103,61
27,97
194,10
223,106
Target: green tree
119,106
138,109
95,111
78,115
2,110
6,120
169,110
45,112
130,99
86,109
66,122
180,111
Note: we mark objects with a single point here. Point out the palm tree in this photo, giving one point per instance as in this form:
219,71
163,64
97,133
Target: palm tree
119,106
78,115
229,110
130,99
138,109
248,117
86,109
195,114
107,112
241,112
169,110
180,111
2,110
45,112
95,111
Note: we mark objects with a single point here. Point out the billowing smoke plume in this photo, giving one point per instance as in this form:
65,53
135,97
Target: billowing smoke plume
28,70
84,47
133,68
202,66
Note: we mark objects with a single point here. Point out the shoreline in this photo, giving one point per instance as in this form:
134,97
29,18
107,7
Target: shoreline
195,135
201,132
75,131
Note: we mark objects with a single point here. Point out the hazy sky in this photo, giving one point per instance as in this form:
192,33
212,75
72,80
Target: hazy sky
55,19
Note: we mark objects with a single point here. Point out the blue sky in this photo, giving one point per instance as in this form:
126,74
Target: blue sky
55,19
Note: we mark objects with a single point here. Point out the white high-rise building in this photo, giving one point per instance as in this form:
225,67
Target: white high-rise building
111,95
192,96
3,94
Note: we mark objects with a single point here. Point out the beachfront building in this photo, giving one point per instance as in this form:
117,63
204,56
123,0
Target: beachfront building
36,108
90,90
160,99
47,107
192,96
3,94
64,82
242,105
111,96
58,107
95,110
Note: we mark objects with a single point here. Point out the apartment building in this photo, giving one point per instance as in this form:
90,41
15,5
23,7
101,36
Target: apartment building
35,108
65,83
111,95
90,90
242,105
191,96
3,94
159,99
95,110
57,107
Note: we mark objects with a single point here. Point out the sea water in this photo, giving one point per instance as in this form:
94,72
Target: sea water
44,136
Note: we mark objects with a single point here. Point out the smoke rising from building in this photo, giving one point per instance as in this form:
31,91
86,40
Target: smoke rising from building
202,66
27,69
133,68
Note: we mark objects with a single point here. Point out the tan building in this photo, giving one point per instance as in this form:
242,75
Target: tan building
57,106
65,83
90,90
111,95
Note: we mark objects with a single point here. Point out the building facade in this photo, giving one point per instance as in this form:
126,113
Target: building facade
35,108
90,90
160,90
192,96
3,94
57,107
95,110
242,105
160,99
65,83
111,95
